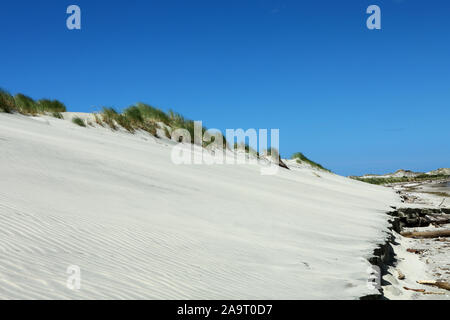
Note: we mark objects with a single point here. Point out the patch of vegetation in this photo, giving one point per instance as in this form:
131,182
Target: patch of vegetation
177,121
301,158
57,115
149,112
125,122
25,105
7,102
167,133
272,152
246,147
137,117
78,121
134,116
383,181
98,119
109,117
46,105
150,127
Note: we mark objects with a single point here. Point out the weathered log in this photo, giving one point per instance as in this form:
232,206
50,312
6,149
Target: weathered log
439,284
416,290
426,234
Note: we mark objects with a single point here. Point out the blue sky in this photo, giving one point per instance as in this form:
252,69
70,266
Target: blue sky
354,100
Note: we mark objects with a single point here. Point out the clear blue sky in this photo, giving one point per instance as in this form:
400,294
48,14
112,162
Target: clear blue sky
355,100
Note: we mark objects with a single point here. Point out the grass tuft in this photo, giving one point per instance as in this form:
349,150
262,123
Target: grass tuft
57,115
149,112
78,121
46,105
25,105
7,102
109,117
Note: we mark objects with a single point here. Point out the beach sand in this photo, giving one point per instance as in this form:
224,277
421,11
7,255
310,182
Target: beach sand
140,227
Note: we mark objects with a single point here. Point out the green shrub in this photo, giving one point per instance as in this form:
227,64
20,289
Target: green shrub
7,102
78,121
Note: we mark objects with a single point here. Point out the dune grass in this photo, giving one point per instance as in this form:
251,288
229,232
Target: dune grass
27,106
301,158
57,115
137,117
7,102
149,112
46,105
78,121
246,147
109,116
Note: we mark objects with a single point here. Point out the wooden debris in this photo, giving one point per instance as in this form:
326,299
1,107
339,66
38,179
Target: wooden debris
416,290
439,284
426,234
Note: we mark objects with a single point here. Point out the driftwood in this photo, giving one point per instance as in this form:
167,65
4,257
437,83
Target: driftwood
426,234
439,284
416,290
423,291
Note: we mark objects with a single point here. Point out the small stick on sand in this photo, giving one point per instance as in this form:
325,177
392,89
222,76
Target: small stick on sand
416,290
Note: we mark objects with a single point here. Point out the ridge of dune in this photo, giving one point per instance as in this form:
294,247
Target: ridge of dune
141,227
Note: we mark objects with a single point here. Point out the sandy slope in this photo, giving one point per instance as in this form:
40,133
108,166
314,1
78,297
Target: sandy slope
139,226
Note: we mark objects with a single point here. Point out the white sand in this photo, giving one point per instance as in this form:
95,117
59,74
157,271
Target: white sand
139,226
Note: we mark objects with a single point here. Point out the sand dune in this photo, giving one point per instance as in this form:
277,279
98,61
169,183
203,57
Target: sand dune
139,226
